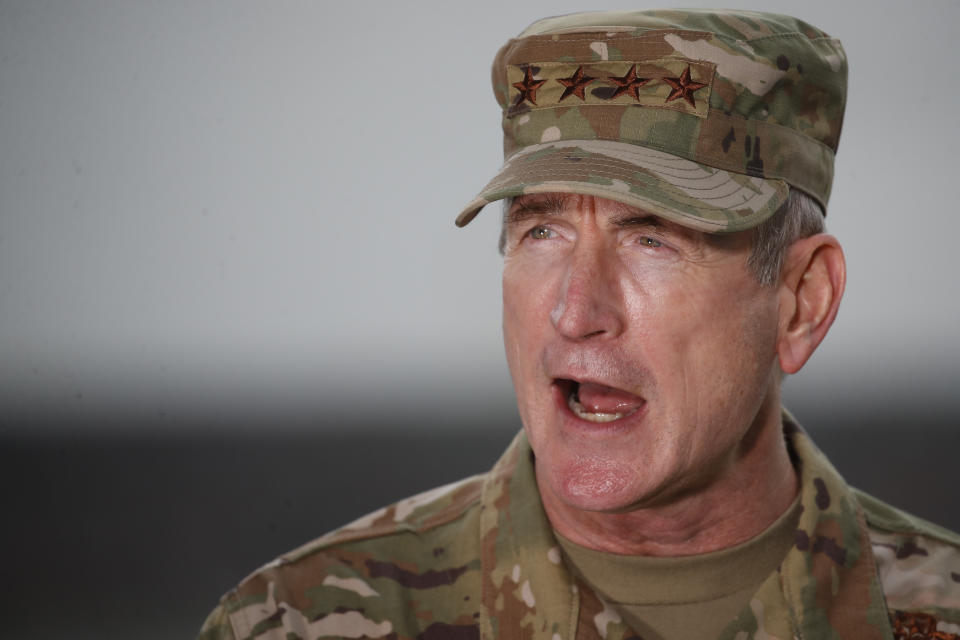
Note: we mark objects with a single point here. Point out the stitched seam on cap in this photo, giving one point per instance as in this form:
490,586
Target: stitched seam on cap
792,34
763,123
536,171
649,34
673,151
594,161
572,105
653,33
719,224
786,128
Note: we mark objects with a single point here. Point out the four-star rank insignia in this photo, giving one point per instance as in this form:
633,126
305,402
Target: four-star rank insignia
664,83
528,87
683,87
629,83
576,84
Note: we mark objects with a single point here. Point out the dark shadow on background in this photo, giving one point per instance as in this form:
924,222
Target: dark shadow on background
113,535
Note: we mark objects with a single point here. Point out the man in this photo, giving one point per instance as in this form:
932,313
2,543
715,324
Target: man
664,268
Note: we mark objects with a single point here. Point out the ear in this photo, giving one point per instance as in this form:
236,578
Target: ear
811,285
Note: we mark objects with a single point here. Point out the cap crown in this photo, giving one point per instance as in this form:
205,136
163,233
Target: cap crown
757,94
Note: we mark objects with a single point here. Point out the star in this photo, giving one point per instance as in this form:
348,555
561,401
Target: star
575,84
528,87
629,83
683,87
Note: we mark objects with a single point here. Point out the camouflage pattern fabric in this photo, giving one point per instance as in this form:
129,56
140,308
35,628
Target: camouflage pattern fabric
477,559
702,117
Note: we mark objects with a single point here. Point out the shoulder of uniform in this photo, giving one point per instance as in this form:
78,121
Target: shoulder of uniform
217,625
416,514
354,578
884,517
918,566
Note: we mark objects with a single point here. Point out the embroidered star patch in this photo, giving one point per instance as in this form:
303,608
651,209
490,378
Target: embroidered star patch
528,87
683,87
656,83
629,84
575,84
918,626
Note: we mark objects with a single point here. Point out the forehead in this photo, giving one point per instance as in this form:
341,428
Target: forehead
566,204
573,206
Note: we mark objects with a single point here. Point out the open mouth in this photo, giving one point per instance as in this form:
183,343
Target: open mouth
599,403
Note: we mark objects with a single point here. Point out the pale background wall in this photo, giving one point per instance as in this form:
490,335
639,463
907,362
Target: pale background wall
237,208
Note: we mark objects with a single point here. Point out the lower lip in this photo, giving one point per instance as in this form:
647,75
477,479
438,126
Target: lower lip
628,421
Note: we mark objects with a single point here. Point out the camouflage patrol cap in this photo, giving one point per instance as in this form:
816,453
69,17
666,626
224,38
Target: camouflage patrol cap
703,117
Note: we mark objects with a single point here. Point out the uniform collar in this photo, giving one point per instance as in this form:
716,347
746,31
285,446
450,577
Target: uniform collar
826,586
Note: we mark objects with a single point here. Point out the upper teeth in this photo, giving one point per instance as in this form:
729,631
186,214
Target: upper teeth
581,412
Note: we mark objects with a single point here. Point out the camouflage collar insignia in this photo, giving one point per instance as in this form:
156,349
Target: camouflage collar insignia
918,626
668,83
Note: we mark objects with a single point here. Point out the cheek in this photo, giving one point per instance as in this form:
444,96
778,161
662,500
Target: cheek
707,340
527,301
717,314
737,348
523,320
515,315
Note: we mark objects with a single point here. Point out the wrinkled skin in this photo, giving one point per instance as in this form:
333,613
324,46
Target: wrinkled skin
673,322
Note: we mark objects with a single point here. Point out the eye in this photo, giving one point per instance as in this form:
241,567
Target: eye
653,243
540,233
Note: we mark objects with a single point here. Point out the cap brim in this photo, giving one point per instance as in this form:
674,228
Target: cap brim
691,194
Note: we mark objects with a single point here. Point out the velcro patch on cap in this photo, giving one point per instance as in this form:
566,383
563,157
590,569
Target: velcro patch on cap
667,83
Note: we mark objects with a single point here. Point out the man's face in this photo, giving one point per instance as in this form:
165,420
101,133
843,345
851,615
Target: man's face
641,352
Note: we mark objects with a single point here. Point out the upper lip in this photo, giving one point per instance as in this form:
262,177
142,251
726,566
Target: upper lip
568,383
614,369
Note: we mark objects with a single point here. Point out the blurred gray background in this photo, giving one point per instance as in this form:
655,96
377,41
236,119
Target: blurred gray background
235,311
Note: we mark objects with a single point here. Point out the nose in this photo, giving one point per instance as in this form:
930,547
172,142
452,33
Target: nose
589,303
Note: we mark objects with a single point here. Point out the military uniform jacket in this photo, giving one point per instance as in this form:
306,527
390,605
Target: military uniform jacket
477,559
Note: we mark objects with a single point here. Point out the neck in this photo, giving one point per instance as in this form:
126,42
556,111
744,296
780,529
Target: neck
754,490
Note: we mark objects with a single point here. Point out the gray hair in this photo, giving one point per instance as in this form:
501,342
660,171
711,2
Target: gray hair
800,216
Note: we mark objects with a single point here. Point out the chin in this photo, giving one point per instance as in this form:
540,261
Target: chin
591,484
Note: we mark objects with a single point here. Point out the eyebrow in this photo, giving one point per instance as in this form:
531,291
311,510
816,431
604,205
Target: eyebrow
524,209
678,232
555,205
643,220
